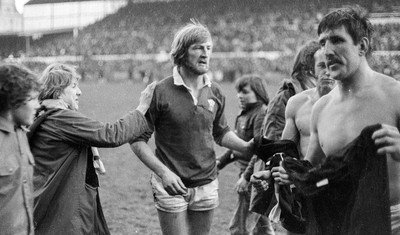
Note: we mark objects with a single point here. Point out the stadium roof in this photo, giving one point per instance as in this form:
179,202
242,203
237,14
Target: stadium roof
32,2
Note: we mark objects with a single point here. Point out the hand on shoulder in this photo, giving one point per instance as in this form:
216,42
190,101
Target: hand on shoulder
146,97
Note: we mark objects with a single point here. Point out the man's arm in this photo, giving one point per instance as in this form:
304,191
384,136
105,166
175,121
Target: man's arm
290,131
315,154
171,182
224,159
233,142
314,151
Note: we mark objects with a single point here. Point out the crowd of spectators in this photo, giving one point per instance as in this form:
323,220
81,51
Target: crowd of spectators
149,27
236,26
254,25
387,37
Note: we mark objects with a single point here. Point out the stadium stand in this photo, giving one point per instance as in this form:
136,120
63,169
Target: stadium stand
237,26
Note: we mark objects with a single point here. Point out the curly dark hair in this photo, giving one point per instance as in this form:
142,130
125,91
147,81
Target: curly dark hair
16,82
354,19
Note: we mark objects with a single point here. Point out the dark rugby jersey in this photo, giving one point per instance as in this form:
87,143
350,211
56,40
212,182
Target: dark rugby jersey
185,128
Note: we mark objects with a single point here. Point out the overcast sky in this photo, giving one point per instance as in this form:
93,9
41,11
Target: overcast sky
19,4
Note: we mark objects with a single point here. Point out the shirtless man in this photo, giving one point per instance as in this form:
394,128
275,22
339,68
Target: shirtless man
361,98
298,115
298,109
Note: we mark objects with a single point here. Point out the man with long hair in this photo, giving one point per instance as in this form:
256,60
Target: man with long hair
187,116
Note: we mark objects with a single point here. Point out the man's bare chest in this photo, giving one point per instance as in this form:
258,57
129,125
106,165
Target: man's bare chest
339,124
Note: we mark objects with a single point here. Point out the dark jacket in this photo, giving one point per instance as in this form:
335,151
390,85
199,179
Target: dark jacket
349,192
66,199
247,126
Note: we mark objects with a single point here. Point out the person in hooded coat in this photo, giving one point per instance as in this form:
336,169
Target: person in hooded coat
66,197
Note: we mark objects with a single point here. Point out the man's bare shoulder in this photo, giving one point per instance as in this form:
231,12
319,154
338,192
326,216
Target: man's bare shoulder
387,82
388,86
301,97
295,102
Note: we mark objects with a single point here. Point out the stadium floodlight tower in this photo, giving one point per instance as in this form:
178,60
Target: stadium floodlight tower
10,18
